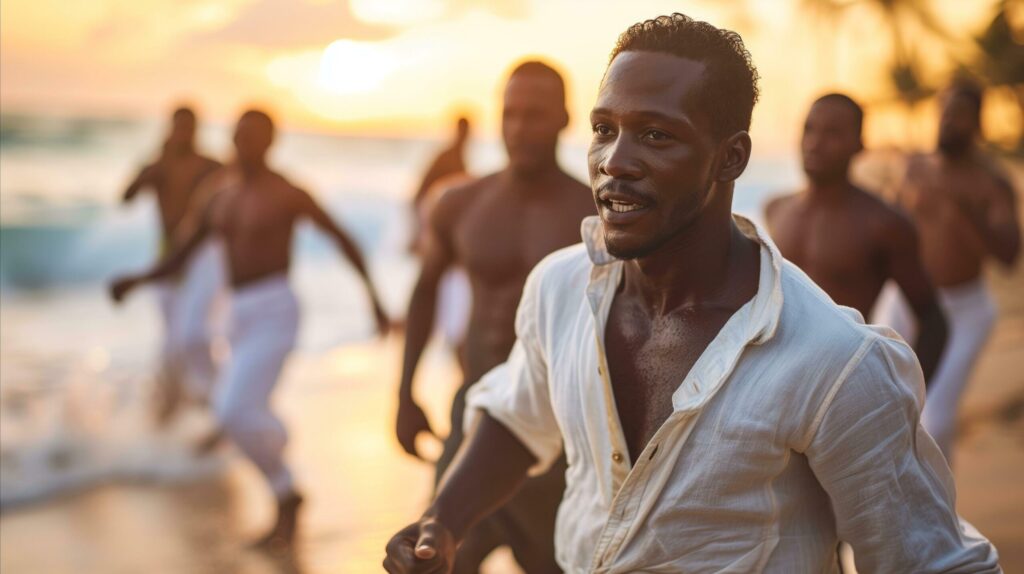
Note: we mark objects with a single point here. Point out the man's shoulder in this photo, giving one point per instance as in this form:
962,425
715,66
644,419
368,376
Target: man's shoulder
889,220
812,318
779,206
568,267
833,341
453,200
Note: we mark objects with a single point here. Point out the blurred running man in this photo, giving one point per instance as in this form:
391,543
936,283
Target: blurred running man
497,228
186,299
454,295
255,213
847,240
966,211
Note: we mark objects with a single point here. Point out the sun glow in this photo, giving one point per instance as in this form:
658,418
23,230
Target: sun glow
348,67
397,12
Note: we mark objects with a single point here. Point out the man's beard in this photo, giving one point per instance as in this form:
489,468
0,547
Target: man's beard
693,213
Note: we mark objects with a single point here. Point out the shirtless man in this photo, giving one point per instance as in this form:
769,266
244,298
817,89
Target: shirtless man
447,171
185,300
497,228
719,412
449,162
255,214
966,211
847,240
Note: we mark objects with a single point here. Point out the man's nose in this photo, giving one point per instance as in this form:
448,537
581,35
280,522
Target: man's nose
620,160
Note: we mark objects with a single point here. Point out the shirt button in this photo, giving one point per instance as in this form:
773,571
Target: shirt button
617,456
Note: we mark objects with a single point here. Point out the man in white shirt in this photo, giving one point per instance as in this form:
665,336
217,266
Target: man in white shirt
718,411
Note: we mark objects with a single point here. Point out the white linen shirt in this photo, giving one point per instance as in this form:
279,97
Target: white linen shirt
796,427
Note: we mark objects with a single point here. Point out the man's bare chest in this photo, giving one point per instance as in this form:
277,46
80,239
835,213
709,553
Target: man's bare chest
495,240
647,363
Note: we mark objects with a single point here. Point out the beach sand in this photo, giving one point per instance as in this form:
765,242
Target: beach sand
360,488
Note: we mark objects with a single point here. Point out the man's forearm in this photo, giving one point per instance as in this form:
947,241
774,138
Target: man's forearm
931,339
419,323
488,470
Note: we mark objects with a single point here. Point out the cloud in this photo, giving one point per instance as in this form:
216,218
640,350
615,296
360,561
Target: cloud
293,24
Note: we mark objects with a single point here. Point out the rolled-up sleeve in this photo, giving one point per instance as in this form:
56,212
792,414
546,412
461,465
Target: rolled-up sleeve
891,490
516,393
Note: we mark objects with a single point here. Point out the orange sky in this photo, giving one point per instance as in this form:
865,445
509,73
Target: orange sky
404,66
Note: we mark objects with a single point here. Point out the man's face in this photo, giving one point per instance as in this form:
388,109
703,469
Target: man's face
652,154
533,115
183,129
252,139
830,140
958,124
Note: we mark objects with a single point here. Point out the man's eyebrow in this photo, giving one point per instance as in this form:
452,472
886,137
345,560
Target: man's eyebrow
648,114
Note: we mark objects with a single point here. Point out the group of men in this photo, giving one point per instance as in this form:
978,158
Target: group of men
683,391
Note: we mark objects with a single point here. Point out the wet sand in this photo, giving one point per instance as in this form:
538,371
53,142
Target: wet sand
359,487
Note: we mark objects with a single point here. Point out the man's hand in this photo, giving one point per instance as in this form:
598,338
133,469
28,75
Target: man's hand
119,289
426,546
411,422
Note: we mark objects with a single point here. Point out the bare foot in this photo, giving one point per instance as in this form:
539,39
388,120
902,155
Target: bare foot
280,538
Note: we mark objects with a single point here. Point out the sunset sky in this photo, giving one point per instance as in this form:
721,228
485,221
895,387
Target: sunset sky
405,66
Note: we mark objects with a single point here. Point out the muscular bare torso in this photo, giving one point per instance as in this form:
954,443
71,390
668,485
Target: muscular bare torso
941,198
256,219
840,242
175,180
498,232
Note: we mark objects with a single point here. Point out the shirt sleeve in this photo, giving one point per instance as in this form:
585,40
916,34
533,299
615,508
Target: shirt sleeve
891,489
516,392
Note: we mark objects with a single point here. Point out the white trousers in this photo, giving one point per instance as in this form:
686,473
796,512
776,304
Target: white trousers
454,302
263,328
971,315
192,310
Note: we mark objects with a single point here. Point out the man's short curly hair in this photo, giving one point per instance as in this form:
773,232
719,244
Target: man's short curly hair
730,83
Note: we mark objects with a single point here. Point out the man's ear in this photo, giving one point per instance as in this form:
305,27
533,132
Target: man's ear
735,153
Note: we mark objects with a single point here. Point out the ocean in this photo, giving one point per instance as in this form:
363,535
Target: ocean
76,371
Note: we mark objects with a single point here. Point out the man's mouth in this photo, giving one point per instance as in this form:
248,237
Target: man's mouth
620,208
623,206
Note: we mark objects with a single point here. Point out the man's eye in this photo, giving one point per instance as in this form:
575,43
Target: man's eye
601,129
656,135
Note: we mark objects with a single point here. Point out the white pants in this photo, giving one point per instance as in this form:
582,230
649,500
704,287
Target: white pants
454,301
192,310
263,328
970,314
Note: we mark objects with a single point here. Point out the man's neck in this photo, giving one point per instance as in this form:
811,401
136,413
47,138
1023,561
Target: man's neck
957,157
181,150
699,267
828,189
527,181
253,171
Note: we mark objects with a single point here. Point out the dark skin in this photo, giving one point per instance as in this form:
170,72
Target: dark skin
496,228
175,176
175,179
255,212
448,162
964,207
663,184
849,241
